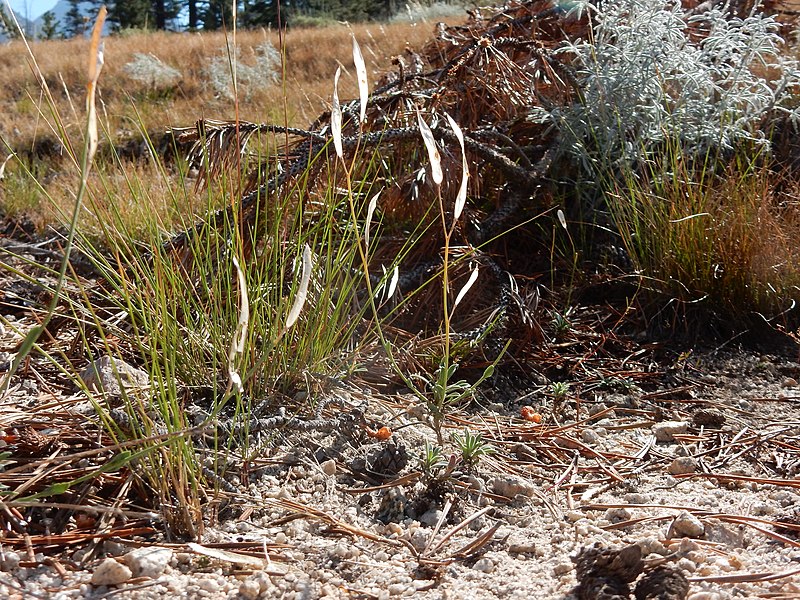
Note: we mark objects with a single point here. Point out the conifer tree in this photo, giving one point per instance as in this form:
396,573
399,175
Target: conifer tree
76,22
49,30
7,25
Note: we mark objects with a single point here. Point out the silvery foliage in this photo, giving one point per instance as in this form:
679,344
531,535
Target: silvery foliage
649,79
423,12
263,73
151,70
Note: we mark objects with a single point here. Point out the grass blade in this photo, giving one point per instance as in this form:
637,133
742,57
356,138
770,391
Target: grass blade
433,152
361,72
302,291
90,147
473,277
336,115
393,283
562,219
373,203
240,335
461,198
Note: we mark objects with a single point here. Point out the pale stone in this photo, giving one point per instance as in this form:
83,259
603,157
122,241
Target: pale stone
682,465
249,589
687,525
110,572
484,565
666,431
111,375
148,562
617,515
511,486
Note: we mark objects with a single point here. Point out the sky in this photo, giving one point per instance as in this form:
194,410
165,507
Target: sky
31,8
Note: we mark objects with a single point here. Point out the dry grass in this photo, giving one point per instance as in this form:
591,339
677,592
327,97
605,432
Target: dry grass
726,244
128,106
311,59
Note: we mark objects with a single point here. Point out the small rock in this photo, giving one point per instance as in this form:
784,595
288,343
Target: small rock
113,548
589,436
148,562
562,569
9,560
522,549
396,589
684,464
110,572
340,551
475,483
511,486
617,515
249,589
208,585
574,515
686,564
705,596
417,536
327,591
264,582
666,431
651,545
431,517
111,375
596,408
484,565
709,418
636,498
329,467
687,525
394,529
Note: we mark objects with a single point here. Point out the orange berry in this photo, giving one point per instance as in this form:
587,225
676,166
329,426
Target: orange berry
529,414
384,433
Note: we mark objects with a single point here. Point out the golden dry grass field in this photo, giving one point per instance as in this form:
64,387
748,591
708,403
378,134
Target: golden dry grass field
34,126
311,57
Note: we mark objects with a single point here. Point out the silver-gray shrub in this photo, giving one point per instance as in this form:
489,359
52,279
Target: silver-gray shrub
649,79
151,70
263,72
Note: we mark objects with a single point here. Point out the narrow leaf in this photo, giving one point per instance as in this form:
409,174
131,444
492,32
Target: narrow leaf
54,490
470,282
433,152
361,72
461,198
240,335
562,219
393,283
370,211
336,115
302,291
3,166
